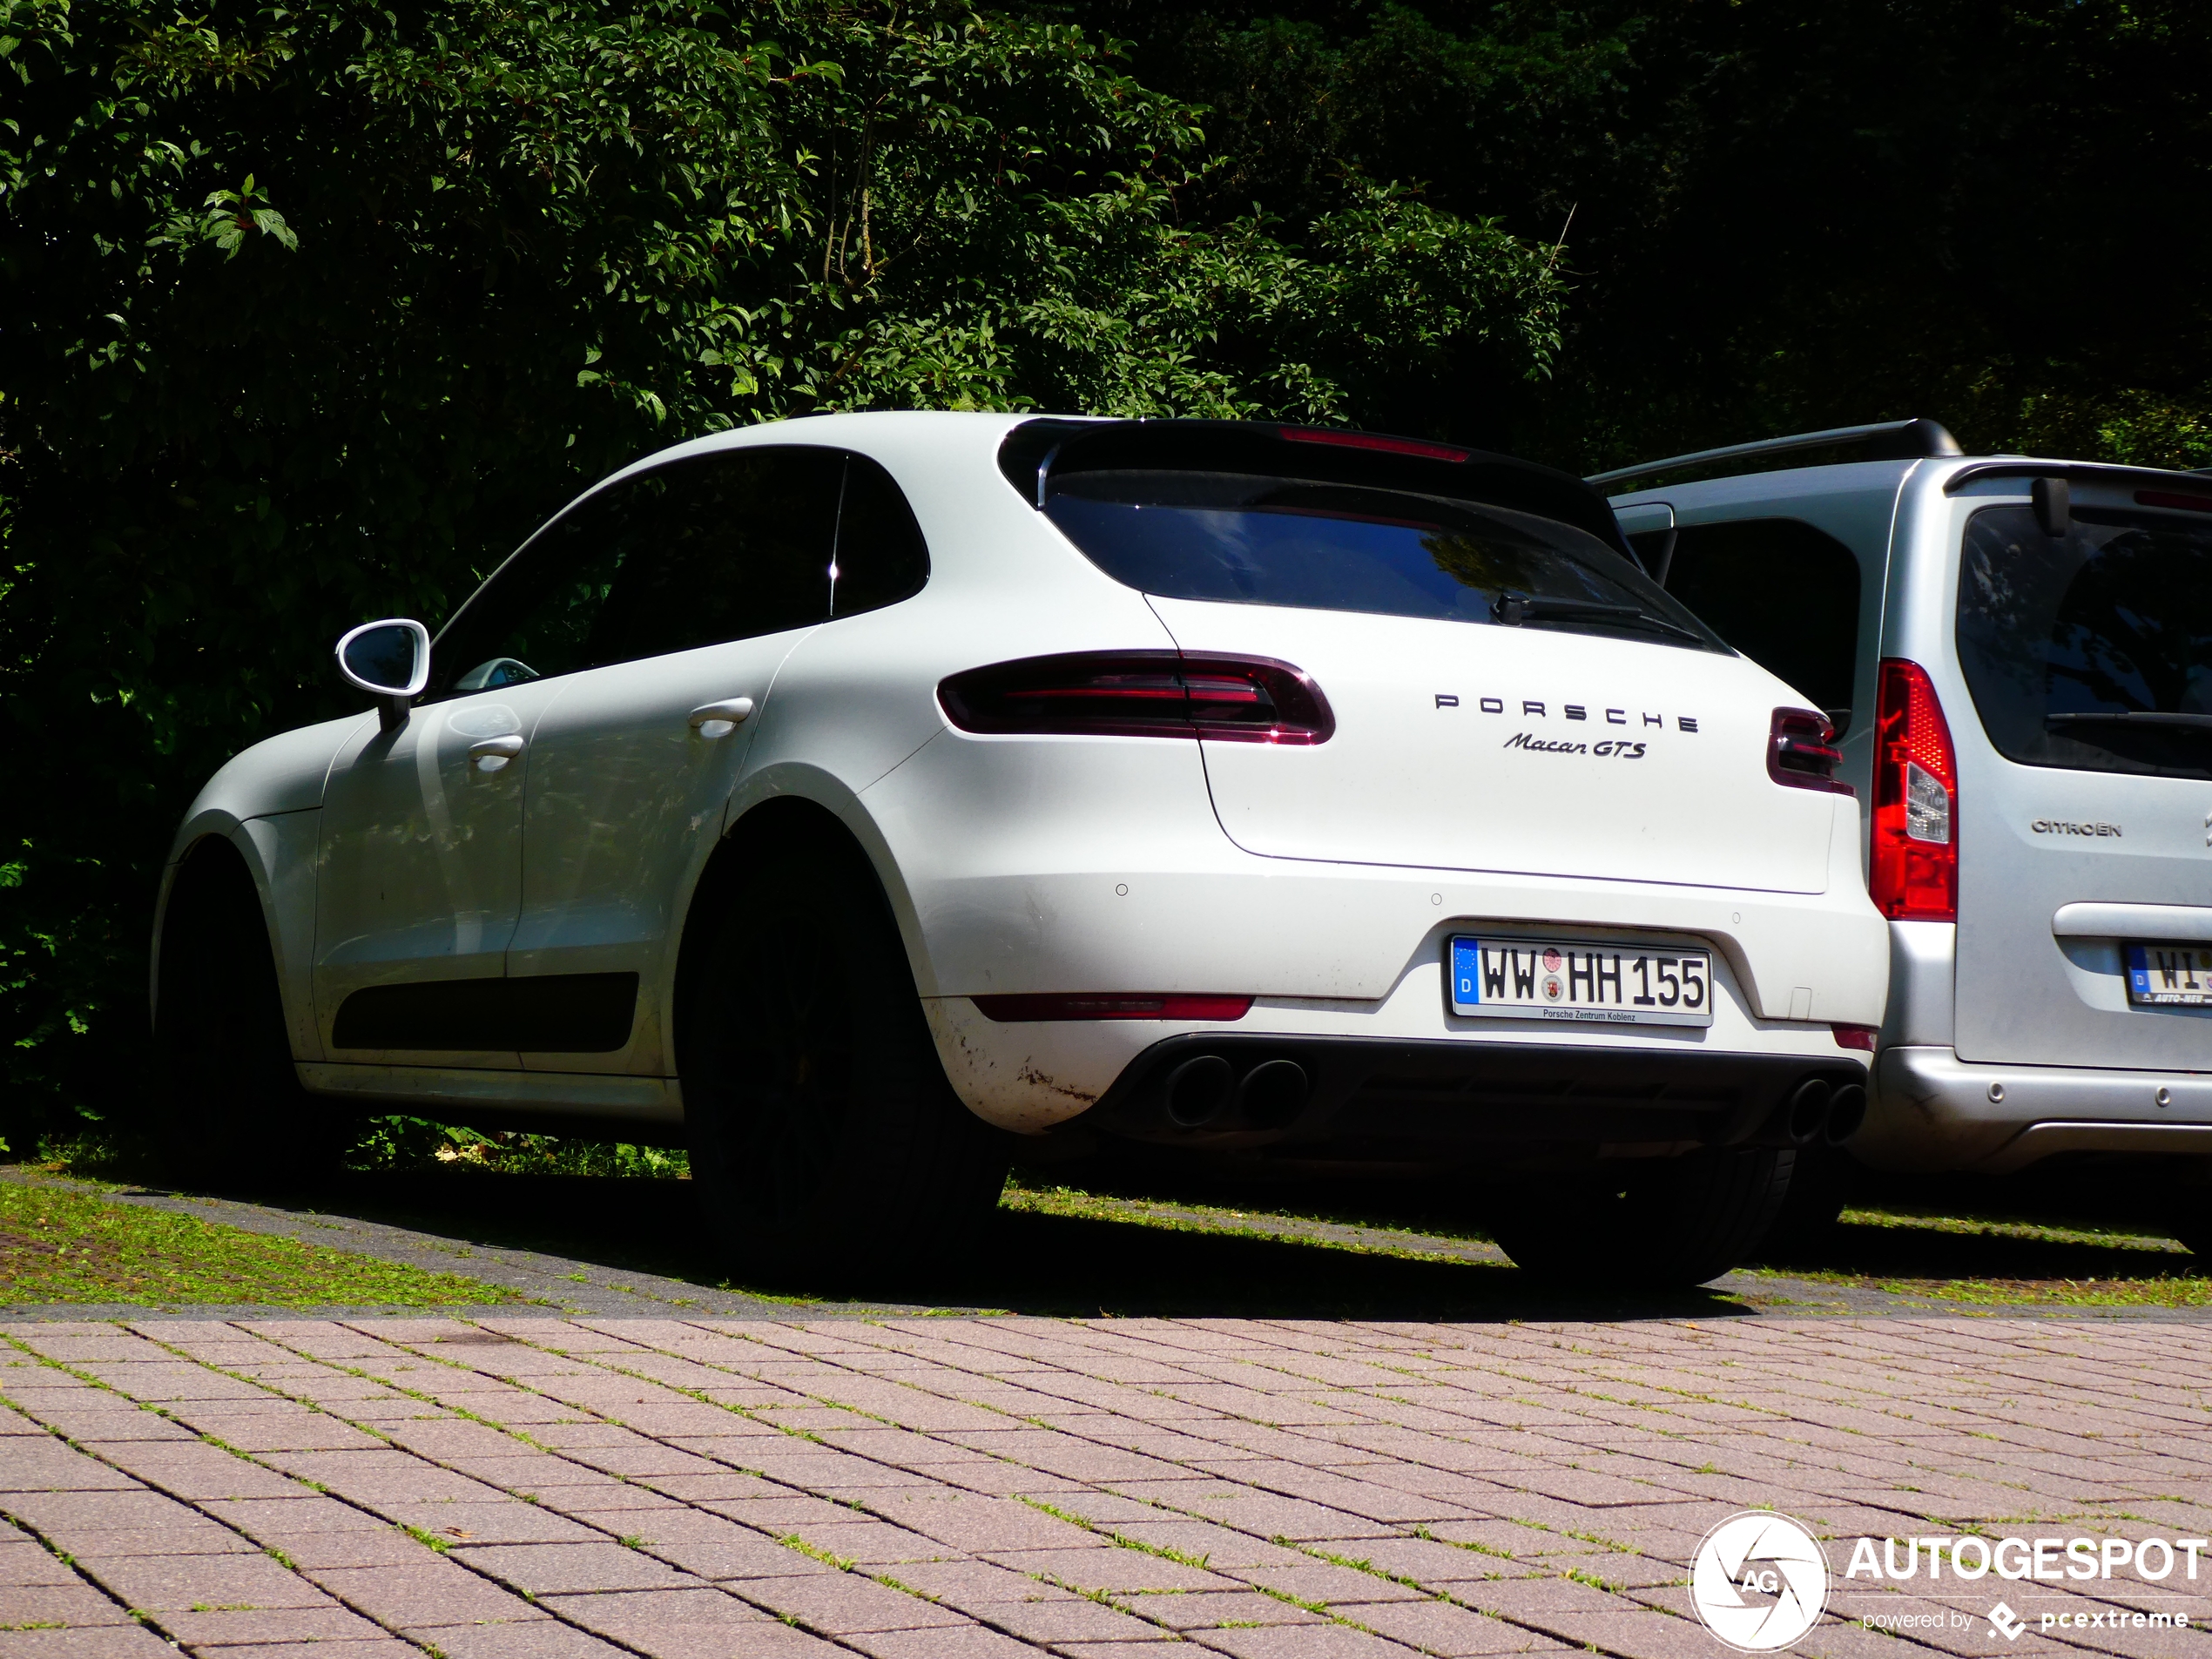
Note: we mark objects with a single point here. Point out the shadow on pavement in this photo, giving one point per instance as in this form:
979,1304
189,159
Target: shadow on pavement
1045,1263
1029,1263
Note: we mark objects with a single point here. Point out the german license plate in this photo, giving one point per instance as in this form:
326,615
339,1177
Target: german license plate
1576,979
2171,977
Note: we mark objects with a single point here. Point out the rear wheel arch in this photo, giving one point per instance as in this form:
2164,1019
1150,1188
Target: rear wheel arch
771,829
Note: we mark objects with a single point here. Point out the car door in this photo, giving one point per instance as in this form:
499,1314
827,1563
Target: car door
422,851
631,768
2084,757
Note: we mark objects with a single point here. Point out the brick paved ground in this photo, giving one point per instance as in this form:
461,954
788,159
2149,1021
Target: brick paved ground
936,1488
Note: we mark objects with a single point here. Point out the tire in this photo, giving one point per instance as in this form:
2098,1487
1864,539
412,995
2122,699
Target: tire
229,1108
1820,1186
1660,1225
828,1150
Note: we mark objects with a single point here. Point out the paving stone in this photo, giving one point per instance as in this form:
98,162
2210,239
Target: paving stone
190,1536
1063,1623
174,1583
73,1604
381,1647
842,1604
972,1642
1300,1642
1207,1609
128,1641
23,1564
433,1592
536,1639
547,1569
509,1521
1440,1628
260,1627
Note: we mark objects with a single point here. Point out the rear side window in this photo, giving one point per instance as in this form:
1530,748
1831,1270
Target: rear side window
1253,538
2091,651
1783,593
881,558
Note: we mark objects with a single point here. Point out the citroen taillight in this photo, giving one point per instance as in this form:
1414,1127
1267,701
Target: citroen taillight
1915,874
1140,694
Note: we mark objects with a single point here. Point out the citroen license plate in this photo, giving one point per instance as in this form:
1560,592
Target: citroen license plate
2169,976
1579,979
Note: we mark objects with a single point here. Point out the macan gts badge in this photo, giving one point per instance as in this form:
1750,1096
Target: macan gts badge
865,801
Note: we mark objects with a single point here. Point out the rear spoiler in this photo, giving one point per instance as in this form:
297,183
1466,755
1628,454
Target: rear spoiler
1036,452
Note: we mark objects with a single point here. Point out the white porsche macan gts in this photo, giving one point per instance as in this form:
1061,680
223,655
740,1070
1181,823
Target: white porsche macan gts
861,801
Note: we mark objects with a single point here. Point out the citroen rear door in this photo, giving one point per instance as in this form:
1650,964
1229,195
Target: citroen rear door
2082,720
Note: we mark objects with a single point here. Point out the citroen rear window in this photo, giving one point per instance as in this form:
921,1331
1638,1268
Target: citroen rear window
1250,538
2093,649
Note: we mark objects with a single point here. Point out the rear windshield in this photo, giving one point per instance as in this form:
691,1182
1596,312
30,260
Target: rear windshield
2069,642
1248,539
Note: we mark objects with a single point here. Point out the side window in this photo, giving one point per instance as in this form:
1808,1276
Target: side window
537,615
881,558
716,548
1783,593
745,542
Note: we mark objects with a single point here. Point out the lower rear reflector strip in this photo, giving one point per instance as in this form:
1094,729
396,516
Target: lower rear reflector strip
1006,1010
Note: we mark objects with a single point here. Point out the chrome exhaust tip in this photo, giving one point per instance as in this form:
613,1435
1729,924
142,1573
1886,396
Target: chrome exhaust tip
1806,1114
1846,1112
1197,1089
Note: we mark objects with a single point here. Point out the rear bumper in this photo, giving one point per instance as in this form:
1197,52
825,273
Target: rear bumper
1931,1111
1438,1103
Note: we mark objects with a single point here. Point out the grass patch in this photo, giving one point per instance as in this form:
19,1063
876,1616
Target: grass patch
1276,1226
1911,1250
57,1245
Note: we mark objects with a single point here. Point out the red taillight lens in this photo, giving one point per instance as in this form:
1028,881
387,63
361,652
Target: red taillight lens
1916,800
1801,752
1140,694
1856,1036
1011,1011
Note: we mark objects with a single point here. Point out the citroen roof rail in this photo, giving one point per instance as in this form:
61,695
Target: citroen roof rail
1883,440
2110,472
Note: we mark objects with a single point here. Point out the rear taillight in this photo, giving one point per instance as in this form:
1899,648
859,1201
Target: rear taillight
1140,694
1916,800
1020,1008
1801,752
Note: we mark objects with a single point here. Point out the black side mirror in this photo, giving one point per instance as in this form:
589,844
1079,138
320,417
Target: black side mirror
390,660
2053,499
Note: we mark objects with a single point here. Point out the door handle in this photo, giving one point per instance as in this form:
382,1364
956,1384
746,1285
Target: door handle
492,754
712,720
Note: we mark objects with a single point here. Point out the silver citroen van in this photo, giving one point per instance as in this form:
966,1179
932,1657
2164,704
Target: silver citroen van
2016,655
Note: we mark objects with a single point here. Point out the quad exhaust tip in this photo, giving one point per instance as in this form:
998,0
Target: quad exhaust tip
1846,1112
1806,1116
1202,1090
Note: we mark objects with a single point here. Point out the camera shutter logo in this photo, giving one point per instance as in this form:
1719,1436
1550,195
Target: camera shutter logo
1759,1581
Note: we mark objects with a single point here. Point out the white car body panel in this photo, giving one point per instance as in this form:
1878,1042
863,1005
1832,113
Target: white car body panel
1323,882
422,854
1653,741
624,801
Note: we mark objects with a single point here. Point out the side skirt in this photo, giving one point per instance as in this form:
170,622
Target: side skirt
499,1096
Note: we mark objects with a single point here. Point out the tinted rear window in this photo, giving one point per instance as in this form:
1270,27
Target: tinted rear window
1247,538
2112,619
